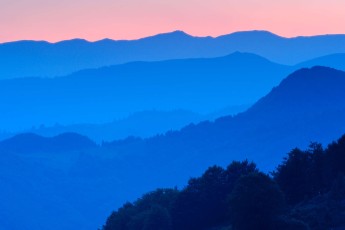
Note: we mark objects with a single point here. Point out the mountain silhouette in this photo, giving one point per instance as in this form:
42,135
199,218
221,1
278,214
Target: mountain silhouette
306,89
306,106
44,59
102,95
336,61
29,143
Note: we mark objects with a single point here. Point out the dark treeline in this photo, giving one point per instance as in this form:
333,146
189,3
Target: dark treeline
306,191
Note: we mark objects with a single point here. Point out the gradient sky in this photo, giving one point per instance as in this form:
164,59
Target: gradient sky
55,20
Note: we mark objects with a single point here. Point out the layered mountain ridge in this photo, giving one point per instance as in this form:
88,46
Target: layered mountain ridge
43,59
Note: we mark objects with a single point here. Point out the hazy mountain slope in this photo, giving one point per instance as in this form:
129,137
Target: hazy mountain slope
39,58
102,95
142,124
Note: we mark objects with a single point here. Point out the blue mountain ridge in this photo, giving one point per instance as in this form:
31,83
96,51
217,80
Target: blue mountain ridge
44,59
101,95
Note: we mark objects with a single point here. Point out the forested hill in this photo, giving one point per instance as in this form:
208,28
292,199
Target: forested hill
306,191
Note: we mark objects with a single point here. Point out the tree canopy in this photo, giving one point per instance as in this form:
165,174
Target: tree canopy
306,191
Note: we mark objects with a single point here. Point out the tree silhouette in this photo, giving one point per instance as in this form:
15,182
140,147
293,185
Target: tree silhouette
203,203
256,202
158,219
293,176
240,197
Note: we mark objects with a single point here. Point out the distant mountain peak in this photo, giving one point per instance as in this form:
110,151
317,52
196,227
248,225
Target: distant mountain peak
317,78
311,88
335,60
255,32
74,40
312,73
245,56
177,34
252,34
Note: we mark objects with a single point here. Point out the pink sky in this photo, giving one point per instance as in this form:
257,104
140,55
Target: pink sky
55,20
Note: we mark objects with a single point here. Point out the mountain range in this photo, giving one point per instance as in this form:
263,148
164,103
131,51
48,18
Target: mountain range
44,59
102,95
92,98
89,182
